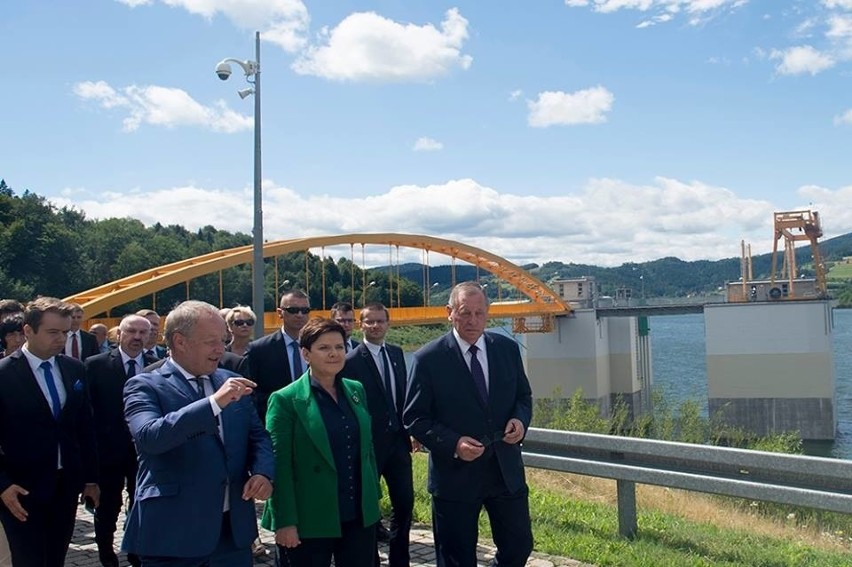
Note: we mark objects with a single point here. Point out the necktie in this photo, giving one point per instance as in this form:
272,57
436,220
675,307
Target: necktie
478,374
56,405
75,348
297,361
131,368
199,385
386,374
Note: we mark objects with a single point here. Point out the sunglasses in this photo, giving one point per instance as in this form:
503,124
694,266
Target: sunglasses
294,310
242,322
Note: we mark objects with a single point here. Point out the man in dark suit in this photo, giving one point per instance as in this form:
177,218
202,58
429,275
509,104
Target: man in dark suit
106,374
80,344
469,402
152,348
204,456
49,454
343,313
276,360
380,367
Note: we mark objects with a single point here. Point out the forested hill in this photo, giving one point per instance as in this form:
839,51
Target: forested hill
45,250
666,277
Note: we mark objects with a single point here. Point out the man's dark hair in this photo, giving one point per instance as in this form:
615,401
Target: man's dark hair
294,293
340,307
35,310
375,306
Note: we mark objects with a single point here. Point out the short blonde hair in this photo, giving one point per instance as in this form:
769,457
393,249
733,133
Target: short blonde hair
239,310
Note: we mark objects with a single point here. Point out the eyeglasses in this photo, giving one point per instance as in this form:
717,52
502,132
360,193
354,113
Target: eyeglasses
294,310
242,322
342,321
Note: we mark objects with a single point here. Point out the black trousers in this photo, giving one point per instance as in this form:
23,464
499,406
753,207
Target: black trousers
456,524
396,470
43,540
112,479
354,548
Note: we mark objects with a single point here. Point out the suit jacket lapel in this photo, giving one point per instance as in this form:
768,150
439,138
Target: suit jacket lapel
29,383
453,345
309,414
371,364
177,380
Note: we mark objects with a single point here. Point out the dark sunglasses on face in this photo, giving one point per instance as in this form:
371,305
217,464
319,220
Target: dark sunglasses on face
243,322
294,310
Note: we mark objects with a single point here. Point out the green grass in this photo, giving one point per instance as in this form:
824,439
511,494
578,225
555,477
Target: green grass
840,271
588,532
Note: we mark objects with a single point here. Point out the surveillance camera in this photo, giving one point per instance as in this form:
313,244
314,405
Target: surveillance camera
223,71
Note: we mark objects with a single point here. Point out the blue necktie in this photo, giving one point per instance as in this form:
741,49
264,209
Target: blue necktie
478,373
131,368
297,361
51,389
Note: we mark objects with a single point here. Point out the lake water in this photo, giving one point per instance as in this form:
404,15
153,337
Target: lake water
677,343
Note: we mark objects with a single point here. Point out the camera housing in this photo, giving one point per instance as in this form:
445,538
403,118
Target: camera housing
223,71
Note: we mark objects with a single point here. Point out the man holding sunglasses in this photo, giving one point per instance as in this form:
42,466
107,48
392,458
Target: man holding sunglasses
275,360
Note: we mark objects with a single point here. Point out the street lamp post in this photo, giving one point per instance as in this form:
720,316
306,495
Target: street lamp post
252,73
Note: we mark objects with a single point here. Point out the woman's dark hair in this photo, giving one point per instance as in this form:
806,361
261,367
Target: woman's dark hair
317,327
13,324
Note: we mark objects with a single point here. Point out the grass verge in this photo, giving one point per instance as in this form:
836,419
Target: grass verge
575,516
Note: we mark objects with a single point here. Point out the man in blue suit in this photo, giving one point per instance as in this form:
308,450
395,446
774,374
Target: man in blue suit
469,402
204,456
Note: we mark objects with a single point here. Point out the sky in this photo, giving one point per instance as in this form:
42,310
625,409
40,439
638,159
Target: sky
585,131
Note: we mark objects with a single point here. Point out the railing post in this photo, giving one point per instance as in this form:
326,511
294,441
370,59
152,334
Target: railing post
627,524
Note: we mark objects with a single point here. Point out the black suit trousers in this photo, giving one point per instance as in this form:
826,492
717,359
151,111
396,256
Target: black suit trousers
113,478
43,540
396,470
456,523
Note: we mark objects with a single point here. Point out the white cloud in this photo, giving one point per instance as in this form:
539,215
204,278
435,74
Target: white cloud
843,119
515,95
839,27
607,222
282,22
427,145
367,46
842,4
162,106
698,11
588,106
801,59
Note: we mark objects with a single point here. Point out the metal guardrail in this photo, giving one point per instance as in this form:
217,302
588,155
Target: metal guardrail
813,482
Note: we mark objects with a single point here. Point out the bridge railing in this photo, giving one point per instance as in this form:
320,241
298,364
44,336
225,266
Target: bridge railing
814,482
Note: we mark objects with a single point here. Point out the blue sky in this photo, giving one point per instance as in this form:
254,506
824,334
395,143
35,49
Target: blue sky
589,131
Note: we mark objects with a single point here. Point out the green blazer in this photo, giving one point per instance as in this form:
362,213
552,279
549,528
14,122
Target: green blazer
305,493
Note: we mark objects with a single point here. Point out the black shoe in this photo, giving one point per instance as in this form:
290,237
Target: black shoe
134,560
109,560
382,533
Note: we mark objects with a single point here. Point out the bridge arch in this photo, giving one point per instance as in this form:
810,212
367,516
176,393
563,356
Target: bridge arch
542,300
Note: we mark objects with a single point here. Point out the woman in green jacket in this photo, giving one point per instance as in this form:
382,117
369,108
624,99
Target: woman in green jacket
326,498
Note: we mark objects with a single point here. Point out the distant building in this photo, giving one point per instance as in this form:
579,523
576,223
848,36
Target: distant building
764,290
578,292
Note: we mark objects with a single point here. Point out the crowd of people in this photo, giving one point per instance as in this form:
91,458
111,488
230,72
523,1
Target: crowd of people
196,422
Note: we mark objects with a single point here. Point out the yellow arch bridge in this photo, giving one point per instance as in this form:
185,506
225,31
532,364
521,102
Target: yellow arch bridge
533,313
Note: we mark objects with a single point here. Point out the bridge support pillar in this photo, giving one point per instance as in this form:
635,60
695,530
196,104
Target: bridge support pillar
770,366
609,359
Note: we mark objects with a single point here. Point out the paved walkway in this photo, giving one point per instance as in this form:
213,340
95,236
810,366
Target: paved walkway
84,552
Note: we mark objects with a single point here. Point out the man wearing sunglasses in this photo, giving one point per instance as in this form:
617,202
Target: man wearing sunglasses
275,360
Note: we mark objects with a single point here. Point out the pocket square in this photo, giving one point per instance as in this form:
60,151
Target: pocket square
78,386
